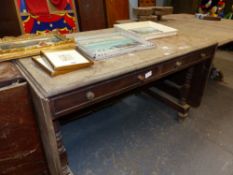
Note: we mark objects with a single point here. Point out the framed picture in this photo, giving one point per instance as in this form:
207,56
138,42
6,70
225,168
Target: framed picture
146,30
47,67
64,59
61,61
30,45
107,45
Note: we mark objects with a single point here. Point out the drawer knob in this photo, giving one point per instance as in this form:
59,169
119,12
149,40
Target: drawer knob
178,63
90,95
203,55
141,77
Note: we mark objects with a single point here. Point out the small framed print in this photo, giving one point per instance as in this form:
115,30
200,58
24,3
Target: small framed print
47,67
66,59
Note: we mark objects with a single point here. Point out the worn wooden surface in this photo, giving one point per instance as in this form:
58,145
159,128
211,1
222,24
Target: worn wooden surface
9,74
217,31
165,49
21,151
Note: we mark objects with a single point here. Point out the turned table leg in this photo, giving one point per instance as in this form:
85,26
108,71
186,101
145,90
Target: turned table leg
185,93
61,149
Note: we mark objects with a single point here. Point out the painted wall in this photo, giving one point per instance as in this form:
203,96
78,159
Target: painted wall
132,4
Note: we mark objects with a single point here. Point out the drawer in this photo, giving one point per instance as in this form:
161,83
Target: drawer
85,96
88,95
187,60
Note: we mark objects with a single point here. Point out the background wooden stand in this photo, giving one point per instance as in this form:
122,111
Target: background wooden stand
10,25
100,14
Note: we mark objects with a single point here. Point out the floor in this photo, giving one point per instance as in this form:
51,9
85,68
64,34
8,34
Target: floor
140,136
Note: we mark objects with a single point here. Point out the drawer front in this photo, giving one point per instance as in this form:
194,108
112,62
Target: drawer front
85,96
187,60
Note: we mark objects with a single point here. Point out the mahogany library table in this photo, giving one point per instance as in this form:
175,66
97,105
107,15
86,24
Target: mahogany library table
175,71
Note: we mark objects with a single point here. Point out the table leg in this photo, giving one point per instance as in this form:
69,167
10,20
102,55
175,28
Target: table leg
51,137
61,149
185,92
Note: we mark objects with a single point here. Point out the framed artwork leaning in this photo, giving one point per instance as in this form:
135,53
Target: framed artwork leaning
31,45
64,59
61,61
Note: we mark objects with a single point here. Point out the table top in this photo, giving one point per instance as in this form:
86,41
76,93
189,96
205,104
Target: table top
190,38
218,31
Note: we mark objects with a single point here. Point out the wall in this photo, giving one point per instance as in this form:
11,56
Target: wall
132,4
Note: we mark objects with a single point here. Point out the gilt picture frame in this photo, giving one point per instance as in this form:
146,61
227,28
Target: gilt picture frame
63,59
30,45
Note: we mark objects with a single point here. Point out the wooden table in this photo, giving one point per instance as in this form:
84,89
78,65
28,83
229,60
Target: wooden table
187,56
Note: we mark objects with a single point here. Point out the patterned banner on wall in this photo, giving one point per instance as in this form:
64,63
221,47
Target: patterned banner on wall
36,17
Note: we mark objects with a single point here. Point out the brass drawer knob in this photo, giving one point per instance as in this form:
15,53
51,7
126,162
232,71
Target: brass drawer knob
178,63
141,77
90,95
203,55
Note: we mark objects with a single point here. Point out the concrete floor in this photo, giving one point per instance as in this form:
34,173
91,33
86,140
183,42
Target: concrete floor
140,136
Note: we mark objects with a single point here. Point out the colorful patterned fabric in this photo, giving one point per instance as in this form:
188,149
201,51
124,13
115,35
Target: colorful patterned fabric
59,4
37,7
64,23
39,20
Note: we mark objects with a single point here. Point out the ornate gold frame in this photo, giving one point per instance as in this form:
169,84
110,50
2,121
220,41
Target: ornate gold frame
32,50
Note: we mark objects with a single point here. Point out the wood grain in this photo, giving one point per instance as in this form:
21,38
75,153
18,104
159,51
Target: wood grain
20,149
9,23
91,14
116,10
